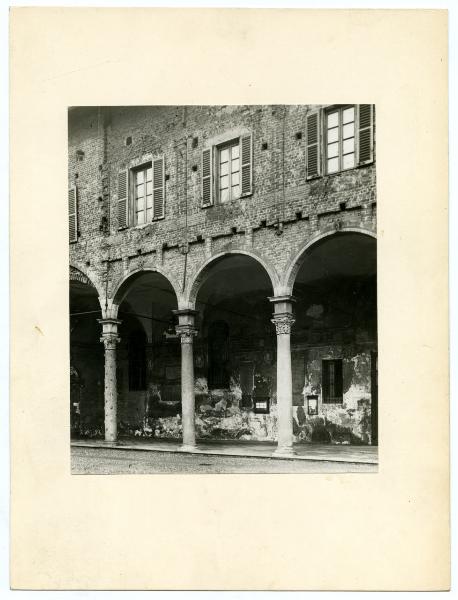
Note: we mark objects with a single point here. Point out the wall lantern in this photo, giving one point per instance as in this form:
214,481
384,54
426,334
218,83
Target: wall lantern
261,406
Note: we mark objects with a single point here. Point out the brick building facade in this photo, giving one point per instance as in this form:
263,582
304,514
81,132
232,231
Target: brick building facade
226,258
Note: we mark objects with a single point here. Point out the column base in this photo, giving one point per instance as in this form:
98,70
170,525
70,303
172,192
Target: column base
284,451
188,447
105,441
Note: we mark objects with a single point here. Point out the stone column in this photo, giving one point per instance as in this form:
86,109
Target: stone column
283,319
110,339
185,329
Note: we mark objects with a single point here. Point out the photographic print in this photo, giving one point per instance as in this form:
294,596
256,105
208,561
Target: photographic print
253,250
223,288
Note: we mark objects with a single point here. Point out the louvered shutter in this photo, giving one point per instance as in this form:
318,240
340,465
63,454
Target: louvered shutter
207,177
123,198
72,215
246,167
365,134
313,145
158,188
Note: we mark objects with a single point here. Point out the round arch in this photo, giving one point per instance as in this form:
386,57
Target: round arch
80,274
294,264
199,278
123,285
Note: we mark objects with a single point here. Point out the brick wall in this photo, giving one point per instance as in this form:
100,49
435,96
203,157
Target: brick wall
280,190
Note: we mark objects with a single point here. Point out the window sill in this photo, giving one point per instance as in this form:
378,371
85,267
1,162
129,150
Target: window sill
356,167
229,202
142,226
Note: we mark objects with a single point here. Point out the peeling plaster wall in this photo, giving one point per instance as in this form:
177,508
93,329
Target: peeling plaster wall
219,412
86,390
220,415
349,422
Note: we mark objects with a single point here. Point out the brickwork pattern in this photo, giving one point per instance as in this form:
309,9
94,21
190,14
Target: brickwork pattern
283,212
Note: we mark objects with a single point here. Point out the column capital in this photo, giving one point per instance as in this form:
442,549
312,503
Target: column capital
185,328
109,332
283,322
186,333
283,318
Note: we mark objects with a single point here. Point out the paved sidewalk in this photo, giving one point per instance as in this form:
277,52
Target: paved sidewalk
323,452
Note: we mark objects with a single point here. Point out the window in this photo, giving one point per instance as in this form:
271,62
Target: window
332,382
143,195
229,172
340,139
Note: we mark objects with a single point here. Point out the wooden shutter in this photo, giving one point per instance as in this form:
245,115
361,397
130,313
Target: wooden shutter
246,164
207,177
158,188
365,134
313,145
123,198
72,215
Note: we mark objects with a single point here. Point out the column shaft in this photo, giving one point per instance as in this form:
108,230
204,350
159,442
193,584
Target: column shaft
110,340
187,392
284,394
111,424
185,329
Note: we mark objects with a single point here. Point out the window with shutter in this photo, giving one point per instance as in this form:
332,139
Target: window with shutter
246,156
313,145
227,170
365,134
72,215
123,199
158,188
207,183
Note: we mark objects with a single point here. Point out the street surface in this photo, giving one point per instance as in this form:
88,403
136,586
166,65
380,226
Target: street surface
108,461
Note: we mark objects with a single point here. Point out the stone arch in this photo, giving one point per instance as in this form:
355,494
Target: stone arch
78,272
122,286
190,296
294,264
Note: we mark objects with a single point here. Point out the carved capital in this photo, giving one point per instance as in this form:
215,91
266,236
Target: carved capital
110,340
109,333
186,333
283,323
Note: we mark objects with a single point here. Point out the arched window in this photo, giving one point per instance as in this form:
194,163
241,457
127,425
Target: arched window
137,360
218,355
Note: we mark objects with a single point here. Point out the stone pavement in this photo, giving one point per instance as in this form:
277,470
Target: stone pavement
321,452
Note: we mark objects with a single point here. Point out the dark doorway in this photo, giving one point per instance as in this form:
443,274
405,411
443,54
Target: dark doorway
374,398
218,355
137,360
